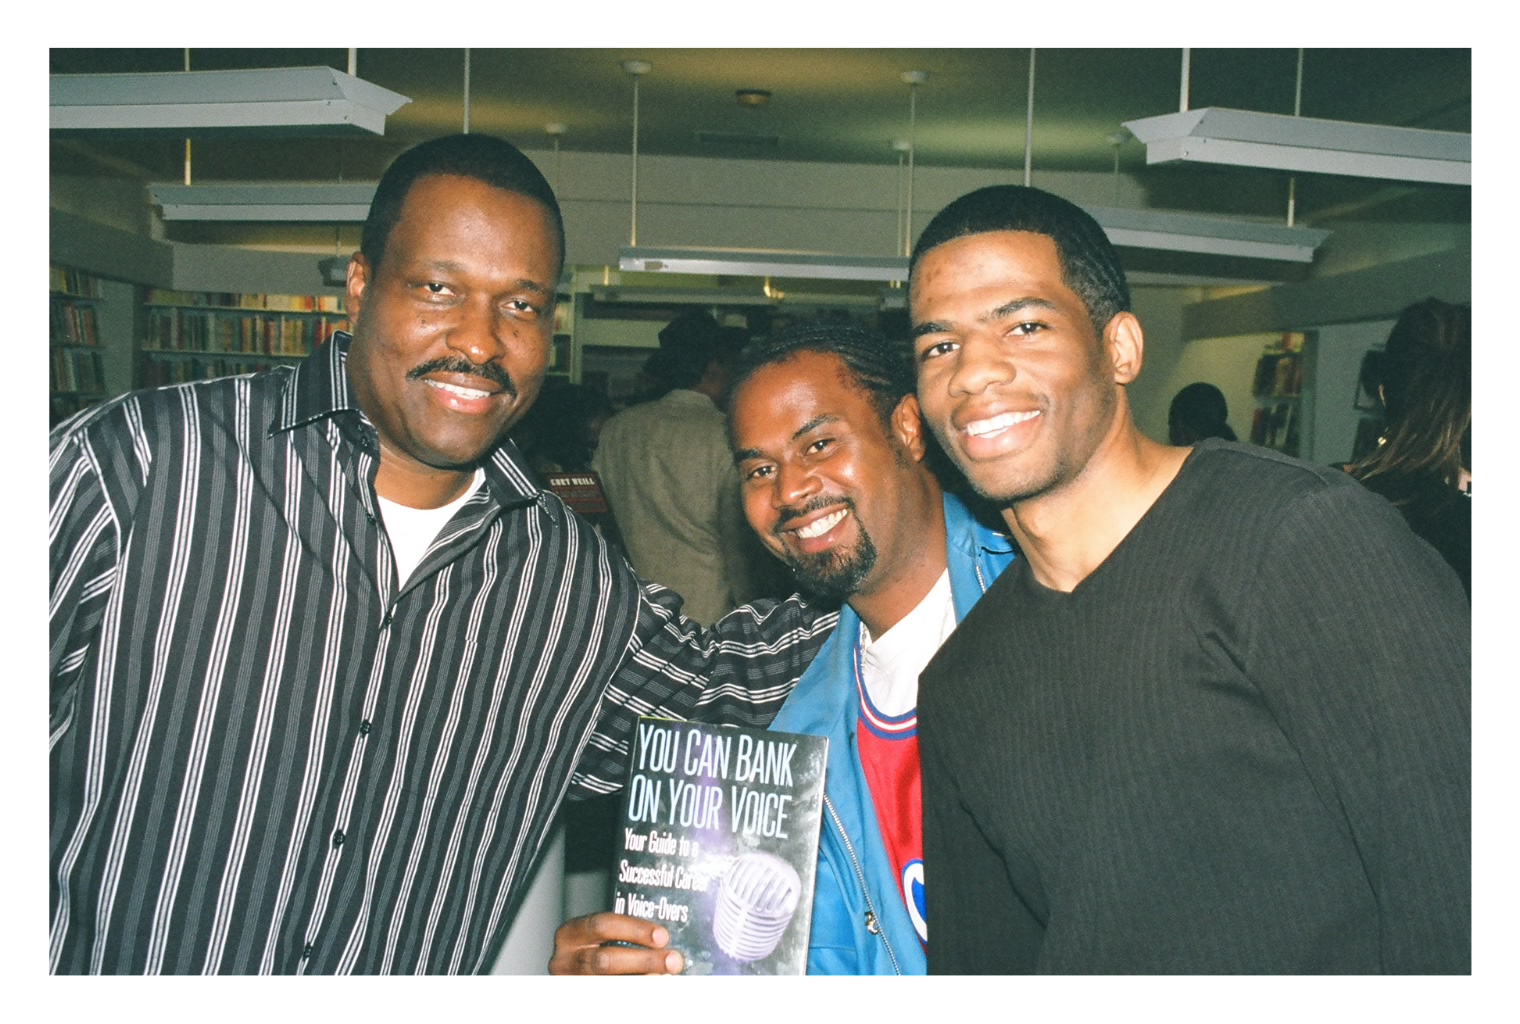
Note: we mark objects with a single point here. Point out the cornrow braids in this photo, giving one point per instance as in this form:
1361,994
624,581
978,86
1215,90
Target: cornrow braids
1089,265
880,368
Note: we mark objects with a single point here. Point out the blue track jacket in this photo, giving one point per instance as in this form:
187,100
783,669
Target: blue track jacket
860,925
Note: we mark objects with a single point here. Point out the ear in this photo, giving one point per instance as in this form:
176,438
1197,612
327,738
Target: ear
1125,344
358,278
908,426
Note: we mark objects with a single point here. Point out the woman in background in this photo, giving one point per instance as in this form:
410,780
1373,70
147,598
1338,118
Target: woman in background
1423,461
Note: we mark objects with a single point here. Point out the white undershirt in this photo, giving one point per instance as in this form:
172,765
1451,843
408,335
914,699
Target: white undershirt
890,664
412,530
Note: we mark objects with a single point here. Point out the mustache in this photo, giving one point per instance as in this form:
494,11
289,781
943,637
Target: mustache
490,371
786,515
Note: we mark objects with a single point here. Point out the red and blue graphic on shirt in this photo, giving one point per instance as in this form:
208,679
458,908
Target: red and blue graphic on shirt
889,758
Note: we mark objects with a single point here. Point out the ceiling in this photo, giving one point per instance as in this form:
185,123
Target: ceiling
837,105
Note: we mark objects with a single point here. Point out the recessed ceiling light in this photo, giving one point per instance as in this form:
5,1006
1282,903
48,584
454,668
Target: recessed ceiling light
753,97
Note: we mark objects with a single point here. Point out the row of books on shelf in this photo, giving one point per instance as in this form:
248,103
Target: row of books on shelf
1277,426
73,282
77,370
186,330
1280,370
1279,374
158,372
244,300
61,407
73,323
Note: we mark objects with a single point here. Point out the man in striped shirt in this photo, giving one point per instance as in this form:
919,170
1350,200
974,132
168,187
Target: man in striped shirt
324,659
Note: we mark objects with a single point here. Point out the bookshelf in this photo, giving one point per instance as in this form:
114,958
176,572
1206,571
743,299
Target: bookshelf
192,335
1281,391
77,374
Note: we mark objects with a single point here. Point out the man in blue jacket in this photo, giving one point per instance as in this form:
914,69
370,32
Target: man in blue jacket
833,463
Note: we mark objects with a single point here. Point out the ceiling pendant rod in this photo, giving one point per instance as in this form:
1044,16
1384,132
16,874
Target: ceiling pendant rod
900,146
353,61
467,90
1117,139
1029,126
187,138
914,80
554,130
636,68
1298,107
1187,72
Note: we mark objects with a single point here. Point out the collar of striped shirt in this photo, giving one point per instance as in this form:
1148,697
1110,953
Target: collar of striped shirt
319,388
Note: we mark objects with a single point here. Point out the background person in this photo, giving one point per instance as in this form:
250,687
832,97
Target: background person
1423,461
1198,411
670,480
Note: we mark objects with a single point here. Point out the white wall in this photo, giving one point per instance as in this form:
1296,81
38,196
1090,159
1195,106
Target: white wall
1159,311
1227,363
771,204
530,942
1338,362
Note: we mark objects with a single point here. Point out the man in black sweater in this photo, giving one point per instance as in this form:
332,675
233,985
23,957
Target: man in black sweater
1217,719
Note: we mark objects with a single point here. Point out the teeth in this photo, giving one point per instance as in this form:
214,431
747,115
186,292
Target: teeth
981,428
455,389
821,526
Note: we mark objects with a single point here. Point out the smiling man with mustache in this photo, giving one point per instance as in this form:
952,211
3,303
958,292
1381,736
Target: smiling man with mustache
324,656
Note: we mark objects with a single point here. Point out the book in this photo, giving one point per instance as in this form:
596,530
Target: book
583,492
719,843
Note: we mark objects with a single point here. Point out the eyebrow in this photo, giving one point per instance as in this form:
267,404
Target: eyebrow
454,266
1002,312
741,454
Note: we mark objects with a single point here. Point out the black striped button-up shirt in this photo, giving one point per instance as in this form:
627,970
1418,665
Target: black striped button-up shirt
266,756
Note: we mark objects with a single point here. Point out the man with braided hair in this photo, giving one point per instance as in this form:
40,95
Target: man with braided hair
832,459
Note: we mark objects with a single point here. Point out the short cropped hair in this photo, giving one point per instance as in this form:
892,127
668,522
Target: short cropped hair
882,369
1089,265
1198,411
485,158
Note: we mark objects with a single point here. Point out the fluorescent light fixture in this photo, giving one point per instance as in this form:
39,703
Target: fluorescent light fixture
615,293
764,263
1184,232
1243,138
269,101
326,203
1136,229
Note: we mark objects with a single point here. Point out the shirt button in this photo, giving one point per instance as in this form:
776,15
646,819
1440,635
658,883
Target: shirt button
364,728
338,837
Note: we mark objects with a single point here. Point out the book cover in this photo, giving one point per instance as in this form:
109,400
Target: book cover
582,491
719,843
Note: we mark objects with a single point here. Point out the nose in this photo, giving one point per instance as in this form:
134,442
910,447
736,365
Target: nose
478,333
979,364
795,484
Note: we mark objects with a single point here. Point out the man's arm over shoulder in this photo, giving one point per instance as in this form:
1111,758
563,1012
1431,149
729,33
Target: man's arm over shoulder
1362,646
737,672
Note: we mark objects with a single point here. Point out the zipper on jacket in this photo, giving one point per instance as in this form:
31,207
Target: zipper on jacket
873,923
